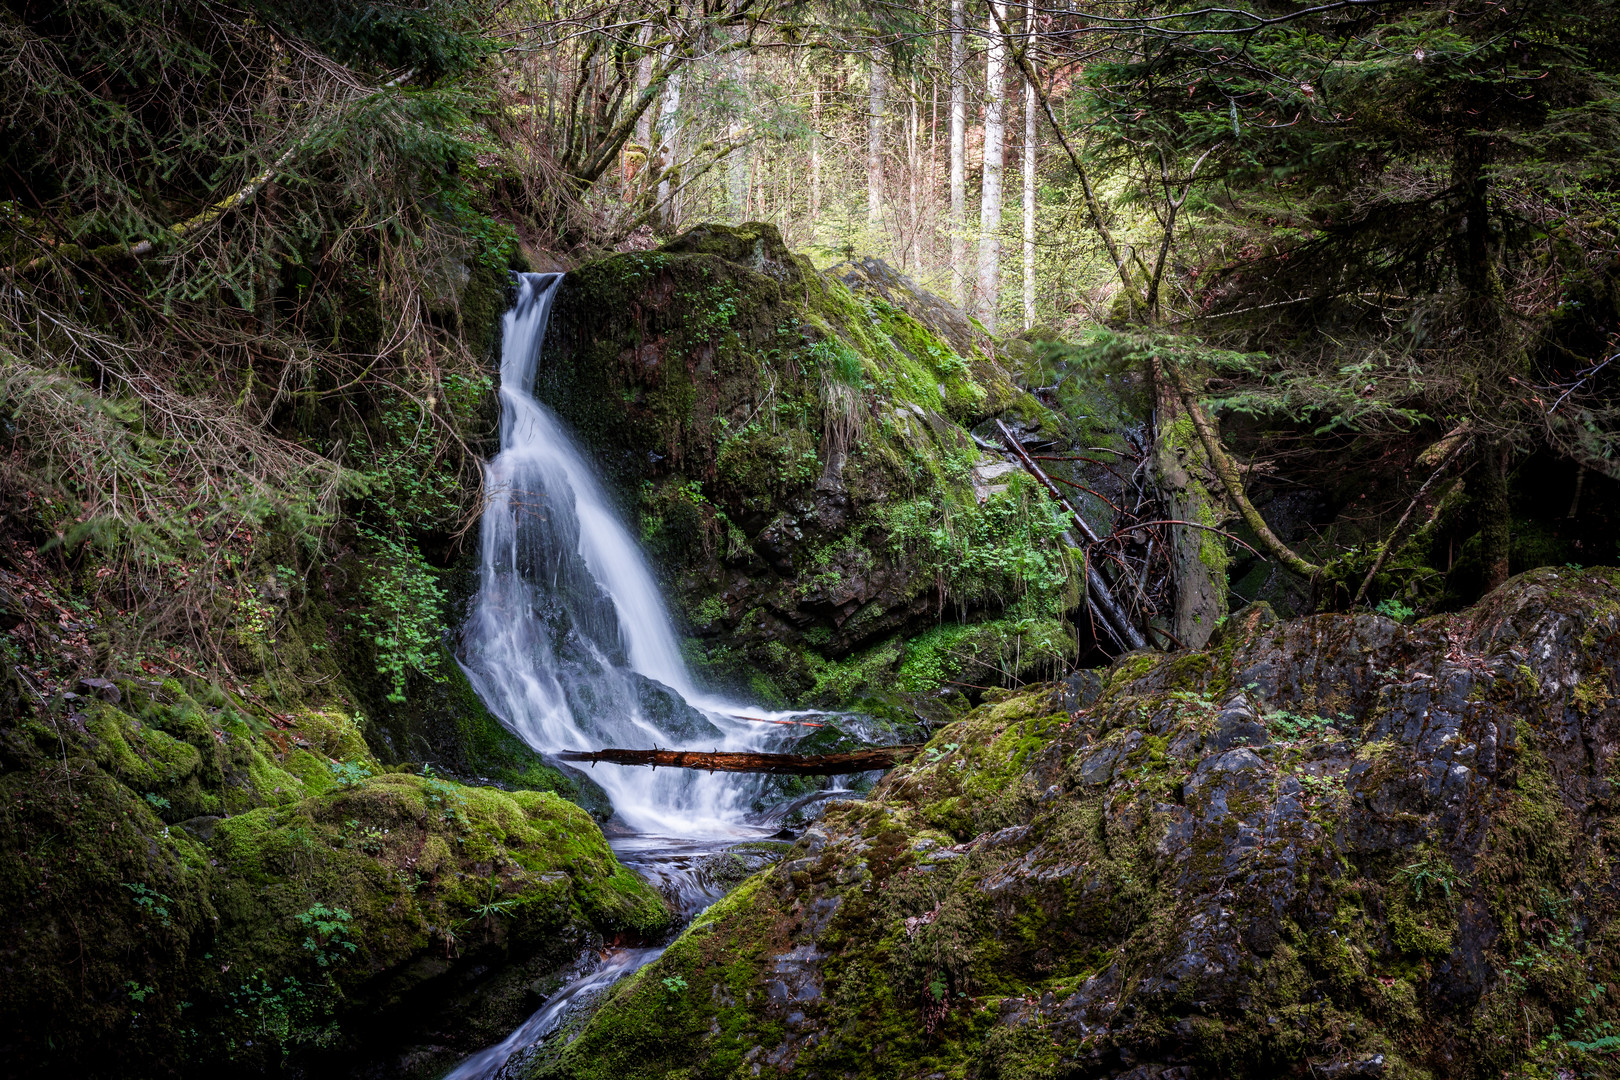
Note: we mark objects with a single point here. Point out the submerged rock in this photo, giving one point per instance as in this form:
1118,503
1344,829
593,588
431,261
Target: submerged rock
1336,846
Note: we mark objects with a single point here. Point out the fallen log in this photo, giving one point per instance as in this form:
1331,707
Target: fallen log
881,757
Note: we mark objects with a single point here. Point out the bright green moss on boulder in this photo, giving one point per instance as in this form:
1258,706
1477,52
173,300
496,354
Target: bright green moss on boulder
796,449
186,884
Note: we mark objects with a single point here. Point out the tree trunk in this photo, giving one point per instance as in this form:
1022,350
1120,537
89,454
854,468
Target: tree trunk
958,122
987,296
1186,482
883,757
913,168
1495,532
874,142
644,70
815,160
1030,150
667,216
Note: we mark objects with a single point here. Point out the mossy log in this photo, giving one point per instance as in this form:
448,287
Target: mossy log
882,757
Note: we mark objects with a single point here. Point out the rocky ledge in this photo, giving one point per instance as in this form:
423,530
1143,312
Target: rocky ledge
1332,847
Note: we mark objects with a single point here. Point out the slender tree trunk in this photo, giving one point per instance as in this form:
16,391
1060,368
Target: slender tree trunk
1030,151
987,296
668,216
815,160
932,186
644,70
958,122
874,142
913,168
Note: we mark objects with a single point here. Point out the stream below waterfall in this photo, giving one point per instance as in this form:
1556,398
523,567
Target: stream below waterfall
568,641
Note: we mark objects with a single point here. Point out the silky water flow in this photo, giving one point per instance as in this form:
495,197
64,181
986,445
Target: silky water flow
569,643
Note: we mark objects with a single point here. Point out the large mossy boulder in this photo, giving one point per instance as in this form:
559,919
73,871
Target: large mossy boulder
191,884
1338,846
797,451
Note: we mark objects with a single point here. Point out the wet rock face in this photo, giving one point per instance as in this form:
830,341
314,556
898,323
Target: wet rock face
786,442
1336,846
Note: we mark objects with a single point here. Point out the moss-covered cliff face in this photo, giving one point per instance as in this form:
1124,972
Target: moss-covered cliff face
797,450
1336,847
190,883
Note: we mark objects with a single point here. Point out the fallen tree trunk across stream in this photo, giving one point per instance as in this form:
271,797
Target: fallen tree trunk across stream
882,757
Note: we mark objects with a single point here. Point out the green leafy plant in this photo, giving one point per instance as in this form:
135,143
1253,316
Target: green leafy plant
328,934
1394,609
403,610
1432,873
149,900
1292,725
349,773
446,797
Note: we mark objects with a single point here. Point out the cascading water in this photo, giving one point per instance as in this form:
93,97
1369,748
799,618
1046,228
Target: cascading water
570,644
569,641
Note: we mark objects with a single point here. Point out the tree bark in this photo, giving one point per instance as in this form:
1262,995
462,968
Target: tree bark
667,216
644,71
874,141
1030,152
815,159
883,757
958,122
987,295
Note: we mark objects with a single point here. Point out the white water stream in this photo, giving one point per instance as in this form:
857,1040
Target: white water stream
569,643
568,640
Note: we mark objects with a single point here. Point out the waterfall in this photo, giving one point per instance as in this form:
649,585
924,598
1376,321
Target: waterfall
568,640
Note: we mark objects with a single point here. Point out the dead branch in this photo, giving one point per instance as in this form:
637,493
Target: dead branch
883,757
1227,471
1124,630
1456,450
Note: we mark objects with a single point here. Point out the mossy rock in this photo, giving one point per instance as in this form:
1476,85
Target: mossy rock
187,882
796,450
1396,870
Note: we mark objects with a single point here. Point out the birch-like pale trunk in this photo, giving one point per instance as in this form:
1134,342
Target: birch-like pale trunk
874,143
958,222
667,214
644,70
987,296
1031,151
815,159
913,168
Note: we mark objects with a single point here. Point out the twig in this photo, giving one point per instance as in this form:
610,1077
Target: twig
1389,543
1191,525
1127,630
